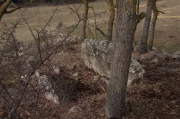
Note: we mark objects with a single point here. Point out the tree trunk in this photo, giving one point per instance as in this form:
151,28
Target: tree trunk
85,17
126,25
144,37
111,20
153,25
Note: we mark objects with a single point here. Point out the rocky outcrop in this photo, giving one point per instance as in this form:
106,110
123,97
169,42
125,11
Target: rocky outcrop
98,55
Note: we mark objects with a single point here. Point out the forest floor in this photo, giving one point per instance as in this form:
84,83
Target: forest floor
157,96
82,95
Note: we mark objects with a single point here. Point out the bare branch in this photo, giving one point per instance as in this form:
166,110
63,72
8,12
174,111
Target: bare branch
102,33
25,4
90,30
96,27
3,8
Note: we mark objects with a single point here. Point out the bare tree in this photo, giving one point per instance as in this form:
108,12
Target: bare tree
126,25
144,37
20,74
153,25
83,18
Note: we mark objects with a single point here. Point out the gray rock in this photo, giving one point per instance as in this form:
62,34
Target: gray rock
155,60
136,72
176,54
75,109
56,69
43,82
165,53
74,39
95,78
98,55
68,39
154,54
75,74
50,95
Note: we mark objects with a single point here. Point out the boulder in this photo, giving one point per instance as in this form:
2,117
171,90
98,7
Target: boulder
98,55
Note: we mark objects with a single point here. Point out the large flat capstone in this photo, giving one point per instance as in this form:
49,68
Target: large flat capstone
98,54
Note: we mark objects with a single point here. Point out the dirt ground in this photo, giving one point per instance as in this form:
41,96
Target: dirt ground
81,97
157,96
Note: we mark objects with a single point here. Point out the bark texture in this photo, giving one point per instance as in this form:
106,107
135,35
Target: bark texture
144,37
126,25
111,20
153,25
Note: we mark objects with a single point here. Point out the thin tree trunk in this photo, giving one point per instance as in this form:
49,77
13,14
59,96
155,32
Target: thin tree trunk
85,16
153,25
111,20
126,25
144,37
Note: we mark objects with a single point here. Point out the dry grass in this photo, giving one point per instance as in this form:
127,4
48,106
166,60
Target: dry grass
38,16
167,29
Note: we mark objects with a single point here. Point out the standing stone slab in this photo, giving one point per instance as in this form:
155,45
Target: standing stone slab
98,55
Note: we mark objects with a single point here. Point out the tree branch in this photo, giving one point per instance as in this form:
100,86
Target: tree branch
25,4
